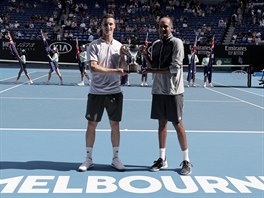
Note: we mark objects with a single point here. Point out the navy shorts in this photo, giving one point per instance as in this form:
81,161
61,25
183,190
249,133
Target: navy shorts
113,103
53,66
23,66
205,71
82,67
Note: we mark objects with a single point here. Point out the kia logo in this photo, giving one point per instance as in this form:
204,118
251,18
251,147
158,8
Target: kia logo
63,47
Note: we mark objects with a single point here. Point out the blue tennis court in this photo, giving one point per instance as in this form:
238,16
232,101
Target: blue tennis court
42,130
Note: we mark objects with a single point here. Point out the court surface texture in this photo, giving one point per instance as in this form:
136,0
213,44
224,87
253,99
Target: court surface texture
42,137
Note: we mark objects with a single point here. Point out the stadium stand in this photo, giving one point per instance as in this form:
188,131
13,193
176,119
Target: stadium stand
66,20
248,23
26,19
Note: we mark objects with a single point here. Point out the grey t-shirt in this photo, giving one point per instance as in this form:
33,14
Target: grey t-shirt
168,53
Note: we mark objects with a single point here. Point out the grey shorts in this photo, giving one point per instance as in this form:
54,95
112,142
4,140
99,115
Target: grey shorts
113,103
167,107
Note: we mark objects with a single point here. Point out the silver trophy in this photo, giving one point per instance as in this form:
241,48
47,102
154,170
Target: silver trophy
133,66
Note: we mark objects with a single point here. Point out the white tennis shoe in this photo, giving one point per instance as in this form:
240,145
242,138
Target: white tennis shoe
81,83
117,164
86,165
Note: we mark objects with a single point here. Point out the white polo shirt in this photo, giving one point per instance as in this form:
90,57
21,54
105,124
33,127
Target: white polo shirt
106,55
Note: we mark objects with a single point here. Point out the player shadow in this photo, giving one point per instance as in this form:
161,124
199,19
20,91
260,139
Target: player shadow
37,165
56,84
128,168
109,168
10,83
64,166
136,168
177,170
230,86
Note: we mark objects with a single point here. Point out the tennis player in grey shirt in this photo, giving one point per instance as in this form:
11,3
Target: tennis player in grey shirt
165,61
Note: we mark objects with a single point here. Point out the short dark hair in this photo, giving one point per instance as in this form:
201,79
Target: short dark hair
108,15
171,22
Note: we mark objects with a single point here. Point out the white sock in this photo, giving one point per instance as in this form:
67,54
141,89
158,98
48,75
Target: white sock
185,154
115,152
89,152
163,153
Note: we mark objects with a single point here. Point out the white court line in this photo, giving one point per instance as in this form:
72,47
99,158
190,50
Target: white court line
243,101
10,88
206,101
232,88
133,100
16,76
132,130
41,98
242,90
250,92
252,104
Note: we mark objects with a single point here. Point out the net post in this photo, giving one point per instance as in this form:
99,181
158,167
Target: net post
249,76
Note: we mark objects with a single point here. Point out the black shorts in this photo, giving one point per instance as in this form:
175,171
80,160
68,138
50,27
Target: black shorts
144,75
113,103
167,107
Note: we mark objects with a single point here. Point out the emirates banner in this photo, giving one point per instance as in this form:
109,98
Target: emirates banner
232,55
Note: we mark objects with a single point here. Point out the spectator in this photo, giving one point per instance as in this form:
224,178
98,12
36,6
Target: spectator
16,24
96,5
221,23
90,38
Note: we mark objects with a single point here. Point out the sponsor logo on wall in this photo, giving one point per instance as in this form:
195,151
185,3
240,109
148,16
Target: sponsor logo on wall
63,47
28,46
235,50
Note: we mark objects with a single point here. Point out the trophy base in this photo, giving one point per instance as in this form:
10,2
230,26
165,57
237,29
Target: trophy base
133,68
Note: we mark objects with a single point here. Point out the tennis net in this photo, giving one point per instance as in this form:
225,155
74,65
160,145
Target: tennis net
222,75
